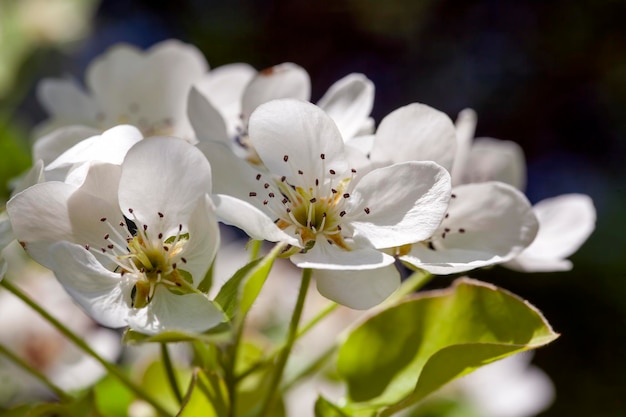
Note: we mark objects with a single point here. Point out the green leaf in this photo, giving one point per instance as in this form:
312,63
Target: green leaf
323,408
156,381
112,398
207,396
406,352
239,293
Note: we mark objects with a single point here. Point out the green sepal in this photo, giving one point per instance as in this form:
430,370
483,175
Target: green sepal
218,334
239,293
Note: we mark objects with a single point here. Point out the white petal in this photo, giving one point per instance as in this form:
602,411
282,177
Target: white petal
35,175
39,214
251,220
111,147
224,87
524,263
496,160
169,311
204,239
163,175
565,223
280,81
465,128
487,223
231,175
50,146
67,101
101,293
363,143
448,261
149,89
207,122
6,233
415,132
406,203
326,256
292,136
358,289
111,73
96,199
349,102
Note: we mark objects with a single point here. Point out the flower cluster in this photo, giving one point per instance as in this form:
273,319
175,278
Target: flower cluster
133,175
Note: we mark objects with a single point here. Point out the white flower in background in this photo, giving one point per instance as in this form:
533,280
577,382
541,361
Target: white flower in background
338,218
565,222
485,223
510,387
31,337
130,243
221,105
147,89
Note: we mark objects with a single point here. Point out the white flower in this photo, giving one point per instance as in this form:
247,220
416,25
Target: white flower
565,222
221,105
485,224
338,219
130,243
510,387
125,85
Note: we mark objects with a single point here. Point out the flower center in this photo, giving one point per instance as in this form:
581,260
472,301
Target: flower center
311,210
147,258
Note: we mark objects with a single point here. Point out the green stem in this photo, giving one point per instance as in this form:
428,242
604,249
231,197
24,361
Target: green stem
318,317
112,369
291,338
301,332
63,396
413,283
230,377
169,370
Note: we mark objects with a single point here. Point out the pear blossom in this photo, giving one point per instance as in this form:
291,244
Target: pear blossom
128,242
28,335
220,115
484,224
147,89
565,222
338,218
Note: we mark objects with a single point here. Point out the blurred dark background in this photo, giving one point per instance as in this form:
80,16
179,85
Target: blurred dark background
549,75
